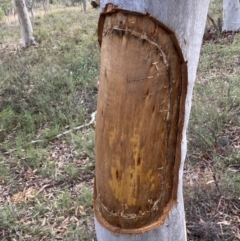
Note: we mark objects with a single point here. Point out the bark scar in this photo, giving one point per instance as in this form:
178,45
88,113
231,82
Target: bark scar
145,37
136,48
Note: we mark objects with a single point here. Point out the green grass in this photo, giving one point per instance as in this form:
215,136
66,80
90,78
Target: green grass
216,101
44,84
44,91
212,180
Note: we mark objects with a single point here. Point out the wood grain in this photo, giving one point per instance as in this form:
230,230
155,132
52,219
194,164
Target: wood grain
140,113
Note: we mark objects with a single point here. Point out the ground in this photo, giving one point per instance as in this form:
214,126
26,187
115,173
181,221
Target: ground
46,179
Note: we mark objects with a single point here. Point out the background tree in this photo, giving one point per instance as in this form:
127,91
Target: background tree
231,15
46,5
30,4
84,2
25,23
147,50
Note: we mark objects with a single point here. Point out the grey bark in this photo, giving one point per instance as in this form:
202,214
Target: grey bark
231,15
25,23
30,5
84,2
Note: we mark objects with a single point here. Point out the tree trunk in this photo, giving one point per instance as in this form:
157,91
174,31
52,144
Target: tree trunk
46,6
84,2
149,56
30,5
231,15
25,23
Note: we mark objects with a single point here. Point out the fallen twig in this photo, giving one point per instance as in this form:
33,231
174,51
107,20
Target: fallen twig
93,118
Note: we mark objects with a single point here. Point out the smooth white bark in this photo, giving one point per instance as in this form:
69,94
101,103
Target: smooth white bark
46,5
84,2
187,19
231,15
25,23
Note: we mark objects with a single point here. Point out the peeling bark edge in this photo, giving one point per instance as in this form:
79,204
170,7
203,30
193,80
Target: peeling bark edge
159,233
110,9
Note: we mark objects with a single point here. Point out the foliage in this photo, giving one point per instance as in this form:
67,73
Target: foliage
5,7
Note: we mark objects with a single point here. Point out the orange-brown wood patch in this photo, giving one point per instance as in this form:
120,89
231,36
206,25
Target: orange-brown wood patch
140,115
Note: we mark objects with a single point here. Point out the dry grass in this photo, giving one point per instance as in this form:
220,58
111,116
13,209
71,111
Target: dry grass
46,182
212,180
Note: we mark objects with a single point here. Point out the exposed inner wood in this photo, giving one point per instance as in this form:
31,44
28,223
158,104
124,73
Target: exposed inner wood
140,110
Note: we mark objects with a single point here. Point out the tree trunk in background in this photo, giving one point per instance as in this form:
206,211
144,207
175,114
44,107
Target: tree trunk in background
149,57
30,5
25,23
231,15
84,2
46,5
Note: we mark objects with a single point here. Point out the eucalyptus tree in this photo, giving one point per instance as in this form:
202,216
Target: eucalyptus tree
149,57
84,3
29,5
25,23
231,15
